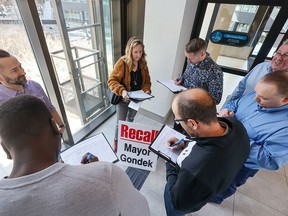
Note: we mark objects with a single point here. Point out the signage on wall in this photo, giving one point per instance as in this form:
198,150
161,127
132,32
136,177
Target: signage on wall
229,38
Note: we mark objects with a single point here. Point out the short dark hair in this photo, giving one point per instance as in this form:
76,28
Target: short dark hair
202,108
195,45
4,53
279,79
21,116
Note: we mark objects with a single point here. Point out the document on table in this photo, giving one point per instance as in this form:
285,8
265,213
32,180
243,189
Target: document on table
172,86
139,95
159,145
96,145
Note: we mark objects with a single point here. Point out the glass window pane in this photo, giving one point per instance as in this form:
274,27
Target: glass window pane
252,20
15,40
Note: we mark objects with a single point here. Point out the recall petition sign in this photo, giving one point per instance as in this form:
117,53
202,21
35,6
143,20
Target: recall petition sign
133,142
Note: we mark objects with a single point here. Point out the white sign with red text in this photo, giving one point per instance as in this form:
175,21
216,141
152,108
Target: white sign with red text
133,142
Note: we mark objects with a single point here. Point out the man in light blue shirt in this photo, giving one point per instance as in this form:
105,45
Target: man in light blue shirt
247,84
266,121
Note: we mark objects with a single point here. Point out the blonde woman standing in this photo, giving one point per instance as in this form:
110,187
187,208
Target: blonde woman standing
130,73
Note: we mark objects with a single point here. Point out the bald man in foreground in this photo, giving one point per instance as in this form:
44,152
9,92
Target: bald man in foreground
210,160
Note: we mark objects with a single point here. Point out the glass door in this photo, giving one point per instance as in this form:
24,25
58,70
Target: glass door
241,34
80,66
70,52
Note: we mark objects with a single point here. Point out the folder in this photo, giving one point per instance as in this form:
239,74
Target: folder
172,86
160,147
138,96
96,145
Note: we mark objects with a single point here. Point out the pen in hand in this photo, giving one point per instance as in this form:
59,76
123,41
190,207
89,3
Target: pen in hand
178,80
88,157
178,142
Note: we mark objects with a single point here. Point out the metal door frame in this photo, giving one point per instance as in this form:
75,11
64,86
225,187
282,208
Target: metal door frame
270,38
32,23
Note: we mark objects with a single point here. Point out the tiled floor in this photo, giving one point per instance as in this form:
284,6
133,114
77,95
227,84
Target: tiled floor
264,195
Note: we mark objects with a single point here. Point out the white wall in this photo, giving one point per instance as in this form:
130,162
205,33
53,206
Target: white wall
167,28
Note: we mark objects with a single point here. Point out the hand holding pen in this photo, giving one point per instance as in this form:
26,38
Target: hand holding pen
175,143
178,80
89,158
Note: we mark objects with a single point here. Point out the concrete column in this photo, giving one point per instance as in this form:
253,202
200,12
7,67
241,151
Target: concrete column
167,28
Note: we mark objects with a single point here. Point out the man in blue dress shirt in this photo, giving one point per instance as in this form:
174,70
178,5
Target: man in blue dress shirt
264,115
246,85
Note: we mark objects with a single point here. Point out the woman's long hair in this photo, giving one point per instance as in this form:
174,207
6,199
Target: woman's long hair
133,42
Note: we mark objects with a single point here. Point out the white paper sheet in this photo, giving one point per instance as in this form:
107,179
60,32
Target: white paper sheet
139,95
134,105
172,86
96,145
160,143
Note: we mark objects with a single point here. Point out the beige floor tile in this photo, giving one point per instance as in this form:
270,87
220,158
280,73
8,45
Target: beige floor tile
268,188
286,170
155,201
281,171
8,168
5,164
156,180
246,206
230,82
2,173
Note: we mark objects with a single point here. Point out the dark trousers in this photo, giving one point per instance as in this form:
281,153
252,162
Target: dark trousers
170,210
239,180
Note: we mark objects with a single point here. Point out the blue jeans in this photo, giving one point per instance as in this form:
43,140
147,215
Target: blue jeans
239,180
170,210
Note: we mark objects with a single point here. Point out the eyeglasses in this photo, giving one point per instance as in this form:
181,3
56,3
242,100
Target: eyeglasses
177,121
283,55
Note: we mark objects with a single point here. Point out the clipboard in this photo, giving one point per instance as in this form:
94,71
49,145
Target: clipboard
159,145
97,145
172,86
138,96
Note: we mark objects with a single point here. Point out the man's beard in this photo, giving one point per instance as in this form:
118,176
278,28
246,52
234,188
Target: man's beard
18,81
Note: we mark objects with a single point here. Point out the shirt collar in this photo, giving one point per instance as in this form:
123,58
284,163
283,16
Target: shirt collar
7,91
274,109
10,92
269,68
202,62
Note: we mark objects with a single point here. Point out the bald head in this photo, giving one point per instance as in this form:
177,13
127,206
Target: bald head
195,103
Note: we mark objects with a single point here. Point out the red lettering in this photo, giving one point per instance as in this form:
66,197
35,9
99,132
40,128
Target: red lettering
154,134
139,135
124,130
132,133
147,136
